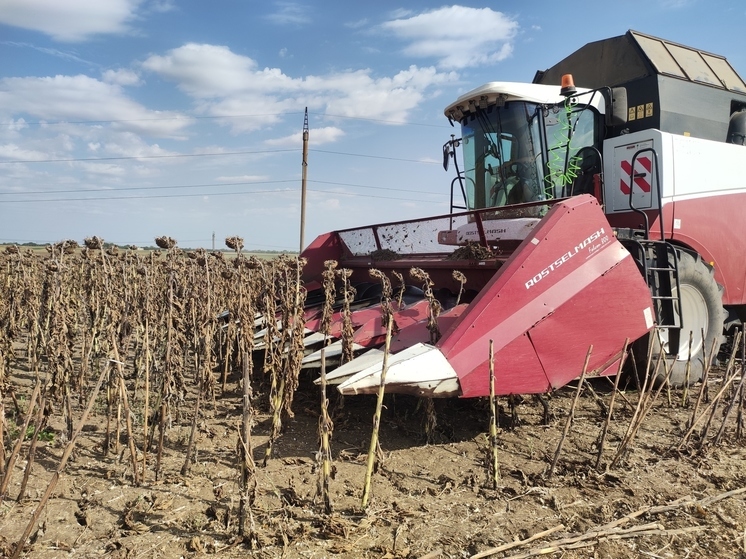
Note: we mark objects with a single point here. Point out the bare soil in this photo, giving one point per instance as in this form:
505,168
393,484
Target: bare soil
428,499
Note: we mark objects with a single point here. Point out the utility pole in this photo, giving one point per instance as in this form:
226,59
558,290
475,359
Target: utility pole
213,240
303,183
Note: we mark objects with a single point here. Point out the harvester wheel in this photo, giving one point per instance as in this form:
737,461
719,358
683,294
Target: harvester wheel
702,312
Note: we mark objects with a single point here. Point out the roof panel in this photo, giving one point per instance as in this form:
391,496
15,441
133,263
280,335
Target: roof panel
725,72
658,54
689,63
694,65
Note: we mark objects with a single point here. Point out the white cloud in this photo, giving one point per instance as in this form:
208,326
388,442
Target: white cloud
247,112
17,125
243,178
204,71
675,4
15,153
127,144
225,83
70,20
109,170
82,98
161,6
359,24
318,136
457,36
400,13
290,13
330,204
121,77
360,95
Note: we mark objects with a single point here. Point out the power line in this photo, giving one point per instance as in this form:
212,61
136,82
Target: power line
215,154
159,119
375,156
133,157
370,187
202,194
382,197
205,185
219,117
130,188
385,121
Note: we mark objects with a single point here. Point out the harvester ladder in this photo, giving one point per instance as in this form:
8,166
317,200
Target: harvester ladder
658,261
661,271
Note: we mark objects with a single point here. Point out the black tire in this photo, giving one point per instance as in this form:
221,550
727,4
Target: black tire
702,306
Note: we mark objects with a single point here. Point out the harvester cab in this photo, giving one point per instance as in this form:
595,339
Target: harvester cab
525,143
580,218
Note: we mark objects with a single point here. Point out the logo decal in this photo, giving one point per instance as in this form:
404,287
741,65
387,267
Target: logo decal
585,244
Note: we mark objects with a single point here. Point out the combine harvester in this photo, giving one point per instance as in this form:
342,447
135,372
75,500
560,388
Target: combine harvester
600,215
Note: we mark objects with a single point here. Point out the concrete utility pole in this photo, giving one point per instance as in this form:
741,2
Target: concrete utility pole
303,184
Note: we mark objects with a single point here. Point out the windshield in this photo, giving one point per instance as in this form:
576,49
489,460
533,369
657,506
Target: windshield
502,156
524,152
571,152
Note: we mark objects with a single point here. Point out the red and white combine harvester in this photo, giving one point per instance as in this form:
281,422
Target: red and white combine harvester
601,213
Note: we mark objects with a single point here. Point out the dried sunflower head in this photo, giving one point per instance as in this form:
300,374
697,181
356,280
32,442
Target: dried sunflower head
94,243
69,246
235,243
165,242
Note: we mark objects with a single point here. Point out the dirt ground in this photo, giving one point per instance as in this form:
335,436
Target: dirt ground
428,500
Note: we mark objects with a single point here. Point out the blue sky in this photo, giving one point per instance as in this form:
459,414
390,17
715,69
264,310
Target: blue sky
132,119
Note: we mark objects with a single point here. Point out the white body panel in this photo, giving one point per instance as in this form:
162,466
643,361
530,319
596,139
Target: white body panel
494,92
420,370
515,229
687,168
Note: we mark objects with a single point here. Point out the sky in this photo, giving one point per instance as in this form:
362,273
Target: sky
133,119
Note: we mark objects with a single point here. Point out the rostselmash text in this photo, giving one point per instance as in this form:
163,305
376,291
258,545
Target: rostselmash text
564,258
486,232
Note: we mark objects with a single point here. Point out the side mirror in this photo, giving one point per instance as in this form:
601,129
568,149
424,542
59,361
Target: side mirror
616,106
449,149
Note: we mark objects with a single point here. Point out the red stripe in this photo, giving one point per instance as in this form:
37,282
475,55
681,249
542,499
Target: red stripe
641,182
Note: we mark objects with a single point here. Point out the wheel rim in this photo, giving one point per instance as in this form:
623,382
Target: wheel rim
696,320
